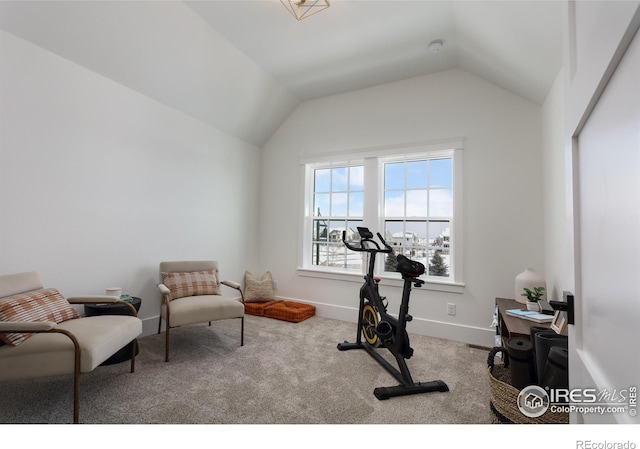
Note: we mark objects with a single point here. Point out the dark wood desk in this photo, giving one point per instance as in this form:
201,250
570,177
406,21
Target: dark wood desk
511,326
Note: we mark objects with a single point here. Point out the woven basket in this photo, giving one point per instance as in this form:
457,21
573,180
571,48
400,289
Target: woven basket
504,396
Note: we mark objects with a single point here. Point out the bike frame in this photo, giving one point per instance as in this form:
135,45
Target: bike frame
390,330
369,292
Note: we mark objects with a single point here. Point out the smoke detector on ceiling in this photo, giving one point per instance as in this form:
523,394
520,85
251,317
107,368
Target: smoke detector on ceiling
435,46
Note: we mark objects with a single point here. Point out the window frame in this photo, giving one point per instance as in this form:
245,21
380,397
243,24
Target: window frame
373,214
383,218
311,218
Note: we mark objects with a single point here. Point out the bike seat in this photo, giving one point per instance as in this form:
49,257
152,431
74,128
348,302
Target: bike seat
408,267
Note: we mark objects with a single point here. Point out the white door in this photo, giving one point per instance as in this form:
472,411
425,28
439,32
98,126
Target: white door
605,340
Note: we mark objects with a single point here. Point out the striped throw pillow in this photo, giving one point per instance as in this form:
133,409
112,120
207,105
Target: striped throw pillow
192,283
37,305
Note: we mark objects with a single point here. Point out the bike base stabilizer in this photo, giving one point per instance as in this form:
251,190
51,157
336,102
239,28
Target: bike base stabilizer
346,346
383,393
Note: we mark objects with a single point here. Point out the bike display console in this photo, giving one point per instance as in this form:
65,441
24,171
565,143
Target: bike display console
382,330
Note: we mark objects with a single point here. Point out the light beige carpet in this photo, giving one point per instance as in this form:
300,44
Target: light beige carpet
286,373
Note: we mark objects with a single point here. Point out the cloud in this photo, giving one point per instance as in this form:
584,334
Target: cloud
438,204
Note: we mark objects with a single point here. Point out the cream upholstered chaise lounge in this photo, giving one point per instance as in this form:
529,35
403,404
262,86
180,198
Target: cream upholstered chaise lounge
191,294
42,334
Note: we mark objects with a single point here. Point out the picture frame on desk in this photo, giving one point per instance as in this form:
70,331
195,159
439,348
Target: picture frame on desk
559,323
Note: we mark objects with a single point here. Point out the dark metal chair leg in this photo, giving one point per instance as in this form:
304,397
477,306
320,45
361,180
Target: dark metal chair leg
134,346
166,348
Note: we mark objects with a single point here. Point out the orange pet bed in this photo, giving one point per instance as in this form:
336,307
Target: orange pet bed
281,310
257,308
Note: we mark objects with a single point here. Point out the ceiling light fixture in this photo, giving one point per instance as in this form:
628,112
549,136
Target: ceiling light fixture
301,9
435,46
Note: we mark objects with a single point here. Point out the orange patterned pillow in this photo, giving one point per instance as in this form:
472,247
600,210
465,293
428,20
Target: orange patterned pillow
38,305
193,283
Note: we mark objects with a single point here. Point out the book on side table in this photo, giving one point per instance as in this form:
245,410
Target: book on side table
530,315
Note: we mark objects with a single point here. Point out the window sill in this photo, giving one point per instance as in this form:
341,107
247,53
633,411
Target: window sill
448,287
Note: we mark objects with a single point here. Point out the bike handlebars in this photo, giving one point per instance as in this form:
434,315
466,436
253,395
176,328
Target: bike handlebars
366,236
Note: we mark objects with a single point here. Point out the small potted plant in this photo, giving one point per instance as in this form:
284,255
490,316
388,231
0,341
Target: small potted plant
533,296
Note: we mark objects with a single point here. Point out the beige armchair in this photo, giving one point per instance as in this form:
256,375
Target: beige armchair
191,294
42,335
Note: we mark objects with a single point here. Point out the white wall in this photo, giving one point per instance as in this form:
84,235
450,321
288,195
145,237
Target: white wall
98,183
503,220
558,258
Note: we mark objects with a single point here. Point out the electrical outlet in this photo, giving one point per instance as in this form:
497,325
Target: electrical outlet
451,308
275,285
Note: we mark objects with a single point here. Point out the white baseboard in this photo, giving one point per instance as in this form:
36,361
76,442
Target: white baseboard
150,325
477,336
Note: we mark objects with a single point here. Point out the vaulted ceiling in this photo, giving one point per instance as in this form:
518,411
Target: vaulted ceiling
243,66
355,44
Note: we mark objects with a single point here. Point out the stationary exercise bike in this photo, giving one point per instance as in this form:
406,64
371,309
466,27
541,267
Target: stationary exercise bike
382,330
